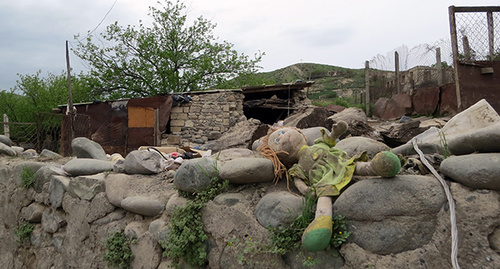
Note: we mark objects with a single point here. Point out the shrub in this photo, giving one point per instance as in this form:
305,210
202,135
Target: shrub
118,252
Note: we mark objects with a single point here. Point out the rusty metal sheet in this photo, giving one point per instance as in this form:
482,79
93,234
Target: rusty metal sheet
141,117
139,137
425,101
476,85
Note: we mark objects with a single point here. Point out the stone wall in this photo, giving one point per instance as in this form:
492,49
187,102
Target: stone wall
205,118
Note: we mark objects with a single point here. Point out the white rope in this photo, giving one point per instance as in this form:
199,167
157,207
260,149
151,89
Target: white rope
453,220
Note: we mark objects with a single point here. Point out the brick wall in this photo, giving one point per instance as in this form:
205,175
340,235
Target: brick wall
206,117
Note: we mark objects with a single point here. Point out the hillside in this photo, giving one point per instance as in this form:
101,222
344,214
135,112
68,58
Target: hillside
330,81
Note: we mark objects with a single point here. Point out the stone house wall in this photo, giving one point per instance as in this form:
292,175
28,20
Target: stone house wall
206,117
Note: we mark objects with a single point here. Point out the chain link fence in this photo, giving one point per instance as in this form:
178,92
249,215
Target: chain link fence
476,34
45,133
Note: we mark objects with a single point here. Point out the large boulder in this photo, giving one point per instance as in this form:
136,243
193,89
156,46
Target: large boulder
86,187
5,140
478,171
145,206
358,144
391,215
308,117
143,162
248,170
394,108
86,148
357,121
195,174
6,150
81,167
476,129
278,209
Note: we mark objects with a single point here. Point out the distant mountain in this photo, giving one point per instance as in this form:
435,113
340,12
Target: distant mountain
330,81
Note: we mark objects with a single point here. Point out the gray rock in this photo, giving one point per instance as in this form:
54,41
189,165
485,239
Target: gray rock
44,175
118,214
229,199
5,140
18,150
86,148
357,144
99,207
49,154
40,238
313,133
494,239
81,167
142,205
173,202
134,229
16,174
159,229
234,153
57,188
278,209
6,150
121,186
248,170
86,187
52,220
29,154
4,174
195,174
143,162
33,212
479,171
391,215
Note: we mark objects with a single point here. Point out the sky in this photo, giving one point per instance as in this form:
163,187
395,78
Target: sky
341,33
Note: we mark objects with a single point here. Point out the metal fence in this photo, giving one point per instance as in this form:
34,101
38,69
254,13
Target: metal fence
45,133
475,32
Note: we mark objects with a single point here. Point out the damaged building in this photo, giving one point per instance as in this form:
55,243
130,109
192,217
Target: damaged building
180,119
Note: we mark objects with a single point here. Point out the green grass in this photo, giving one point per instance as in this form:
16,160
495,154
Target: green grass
27,177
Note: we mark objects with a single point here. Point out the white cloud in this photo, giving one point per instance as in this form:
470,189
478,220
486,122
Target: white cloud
343,33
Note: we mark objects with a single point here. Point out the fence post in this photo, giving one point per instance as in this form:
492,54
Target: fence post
396,63
439,67
491,34
367,87
6,130
454,46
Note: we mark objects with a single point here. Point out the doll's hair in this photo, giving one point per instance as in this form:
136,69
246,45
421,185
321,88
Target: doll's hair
267,152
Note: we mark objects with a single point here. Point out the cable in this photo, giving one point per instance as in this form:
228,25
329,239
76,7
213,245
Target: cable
111,8
453,220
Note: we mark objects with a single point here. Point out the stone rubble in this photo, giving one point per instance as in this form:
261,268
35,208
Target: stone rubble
401,222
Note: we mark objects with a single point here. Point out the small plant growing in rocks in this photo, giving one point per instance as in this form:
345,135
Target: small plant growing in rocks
118,252
27,177
187,238
23,232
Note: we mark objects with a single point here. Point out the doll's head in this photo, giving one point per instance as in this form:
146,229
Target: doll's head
287,142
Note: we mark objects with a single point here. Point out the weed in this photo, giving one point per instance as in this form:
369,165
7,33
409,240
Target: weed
444,144
27,177
186,237
118,252
340,232
23,232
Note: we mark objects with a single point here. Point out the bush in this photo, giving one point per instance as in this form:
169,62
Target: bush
118,252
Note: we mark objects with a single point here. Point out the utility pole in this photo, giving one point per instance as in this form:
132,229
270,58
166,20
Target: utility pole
70,99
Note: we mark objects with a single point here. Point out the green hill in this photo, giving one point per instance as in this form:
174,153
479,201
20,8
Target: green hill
330,81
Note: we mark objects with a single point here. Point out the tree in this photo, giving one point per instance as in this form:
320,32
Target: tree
167,56
34,93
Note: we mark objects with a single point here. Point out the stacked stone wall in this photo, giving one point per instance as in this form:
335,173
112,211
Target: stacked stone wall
206,117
